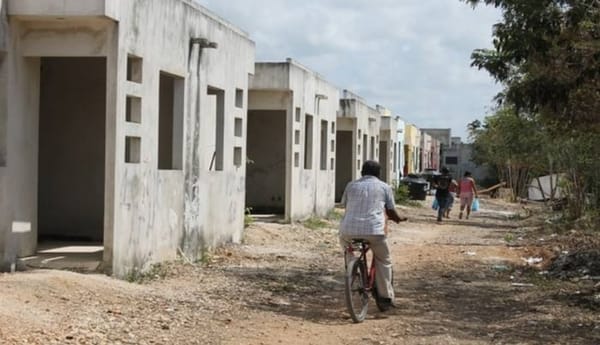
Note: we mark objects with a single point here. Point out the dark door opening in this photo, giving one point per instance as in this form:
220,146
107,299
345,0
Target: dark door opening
343,162
71,179
384,160
265,173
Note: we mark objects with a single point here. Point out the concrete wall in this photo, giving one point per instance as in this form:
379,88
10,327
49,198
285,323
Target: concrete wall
426,153
400,152
387,143
305,96
18,177
441,142
201,205
4,36
27,39
57,8
443,135
148,213
412,149
365,122
436,149
3,82
461,153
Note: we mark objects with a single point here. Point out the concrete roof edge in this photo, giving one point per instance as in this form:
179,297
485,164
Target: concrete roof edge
194,4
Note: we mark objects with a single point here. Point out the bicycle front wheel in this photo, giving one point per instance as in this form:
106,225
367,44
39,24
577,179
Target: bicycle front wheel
357,299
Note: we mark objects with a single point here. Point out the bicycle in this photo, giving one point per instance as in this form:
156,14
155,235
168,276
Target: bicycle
360,280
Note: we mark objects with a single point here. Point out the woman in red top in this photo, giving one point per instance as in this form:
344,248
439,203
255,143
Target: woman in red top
466,192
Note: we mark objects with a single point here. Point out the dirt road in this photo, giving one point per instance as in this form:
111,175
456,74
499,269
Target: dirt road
471,281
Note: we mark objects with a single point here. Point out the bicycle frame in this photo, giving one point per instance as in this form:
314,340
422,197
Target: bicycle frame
358,270
363,248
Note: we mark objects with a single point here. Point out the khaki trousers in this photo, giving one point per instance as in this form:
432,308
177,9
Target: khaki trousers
383,261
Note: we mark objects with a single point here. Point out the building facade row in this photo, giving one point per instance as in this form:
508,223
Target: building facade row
147,126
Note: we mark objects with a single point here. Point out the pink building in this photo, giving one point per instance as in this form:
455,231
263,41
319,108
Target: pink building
430,152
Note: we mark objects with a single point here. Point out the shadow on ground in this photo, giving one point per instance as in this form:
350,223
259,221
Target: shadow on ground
459,303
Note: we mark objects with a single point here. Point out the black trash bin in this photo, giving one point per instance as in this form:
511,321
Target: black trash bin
417,187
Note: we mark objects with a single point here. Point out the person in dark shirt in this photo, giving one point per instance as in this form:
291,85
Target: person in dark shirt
441,183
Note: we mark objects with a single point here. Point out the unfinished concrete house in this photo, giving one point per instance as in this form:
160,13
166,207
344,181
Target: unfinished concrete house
388,146
122,125
412,149
358,129
400,145
291,141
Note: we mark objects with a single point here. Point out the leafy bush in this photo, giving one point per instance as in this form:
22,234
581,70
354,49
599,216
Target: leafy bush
248,219
401,194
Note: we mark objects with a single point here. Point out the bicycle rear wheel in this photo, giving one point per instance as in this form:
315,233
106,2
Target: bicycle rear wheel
357,299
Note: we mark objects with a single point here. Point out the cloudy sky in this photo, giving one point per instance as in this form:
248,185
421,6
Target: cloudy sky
411,56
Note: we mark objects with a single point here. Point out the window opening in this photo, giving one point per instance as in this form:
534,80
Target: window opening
308,142
134,68
219,118
133,109
170,122
323,145
133,149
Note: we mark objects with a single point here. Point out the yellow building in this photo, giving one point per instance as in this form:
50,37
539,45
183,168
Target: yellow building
412,149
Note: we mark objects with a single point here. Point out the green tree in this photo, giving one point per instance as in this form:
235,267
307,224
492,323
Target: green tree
546,53
512,145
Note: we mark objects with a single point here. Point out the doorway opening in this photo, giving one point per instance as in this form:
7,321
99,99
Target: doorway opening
384,160
266,170
343,162
71,170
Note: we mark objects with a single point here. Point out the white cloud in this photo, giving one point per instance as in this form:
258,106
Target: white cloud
412,56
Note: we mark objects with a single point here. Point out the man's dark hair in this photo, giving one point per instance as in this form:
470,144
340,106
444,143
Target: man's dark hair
467,174
445,170
371,168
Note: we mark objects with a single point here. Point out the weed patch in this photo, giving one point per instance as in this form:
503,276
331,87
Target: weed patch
315,223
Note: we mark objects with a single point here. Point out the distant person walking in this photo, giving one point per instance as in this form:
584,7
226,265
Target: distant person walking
466,192
451,196
441,183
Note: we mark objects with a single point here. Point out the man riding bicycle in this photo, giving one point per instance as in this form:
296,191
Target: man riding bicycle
368,201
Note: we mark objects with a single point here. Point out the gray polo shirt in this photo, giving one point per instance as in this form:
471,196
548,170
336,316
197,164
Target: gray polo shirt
365,200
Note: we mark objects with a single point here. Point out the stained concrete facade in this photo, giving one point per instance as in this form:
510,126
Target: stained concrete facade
388,145
125,125
443,135
400,142
291,141
358,136
457,157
